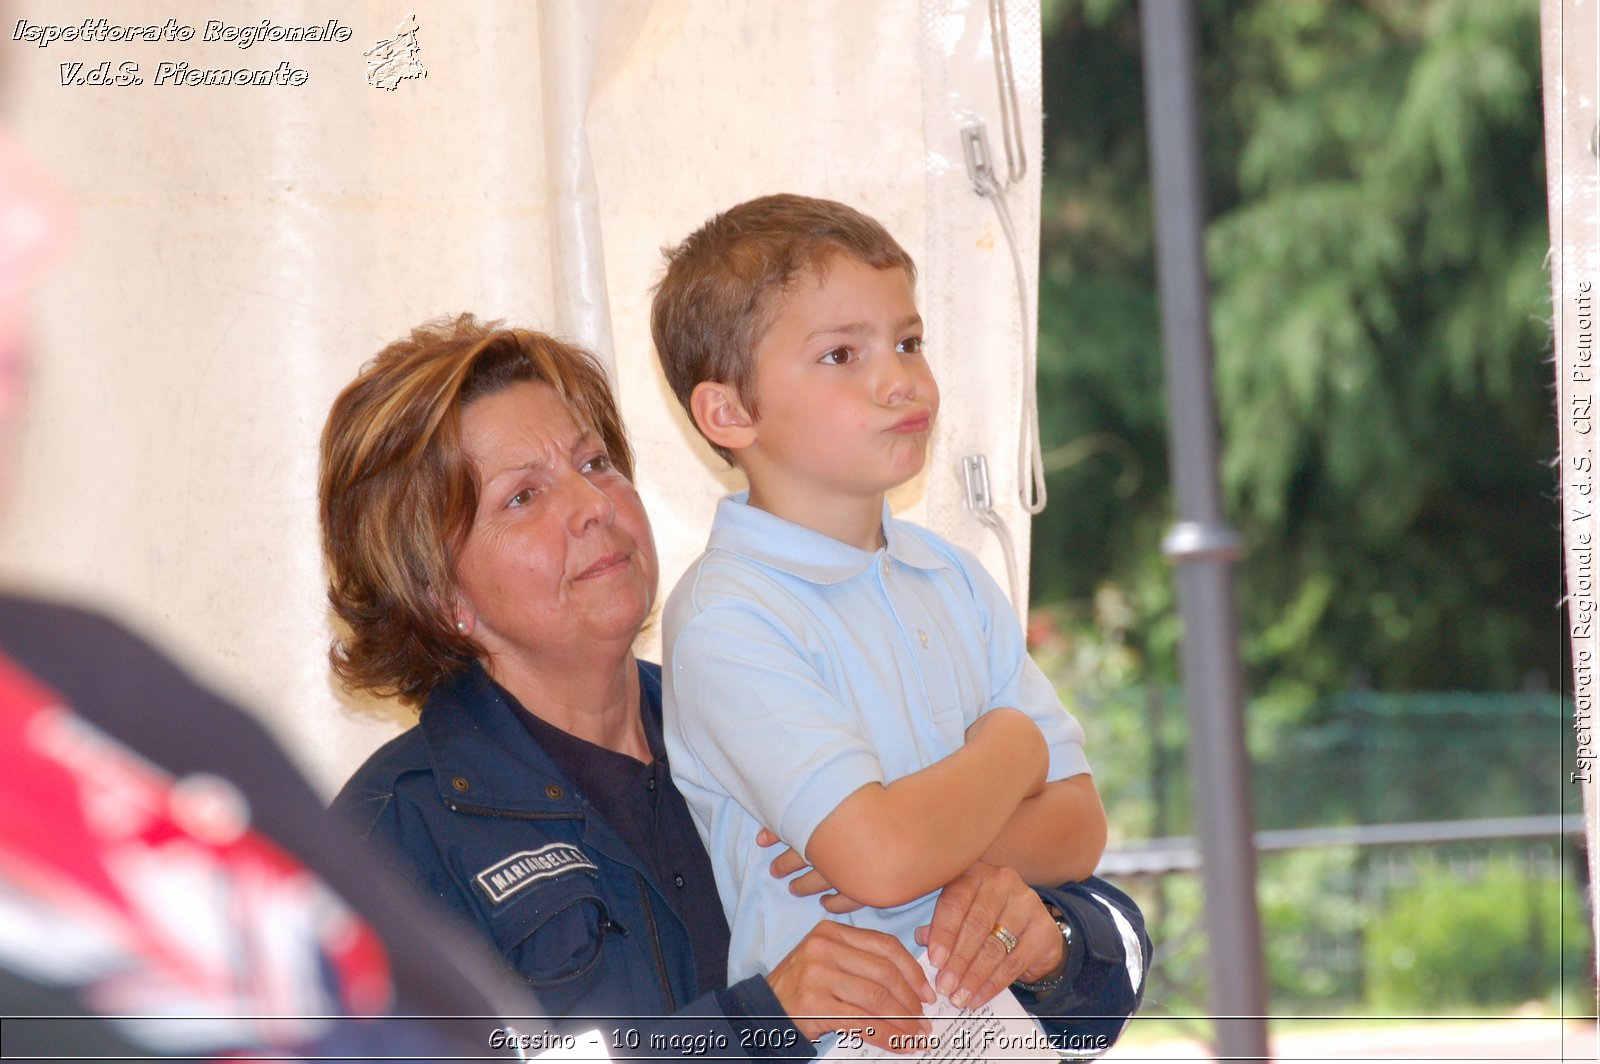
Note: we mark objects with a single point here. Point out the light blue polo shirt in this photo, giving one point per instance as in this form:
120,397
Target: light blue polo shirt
798,669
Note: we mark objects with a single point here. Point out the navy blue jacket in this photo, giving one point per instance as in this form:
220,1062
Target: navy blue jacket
477,816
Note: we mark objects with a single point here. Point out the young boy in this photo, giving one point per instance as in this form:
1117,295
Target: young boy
848,680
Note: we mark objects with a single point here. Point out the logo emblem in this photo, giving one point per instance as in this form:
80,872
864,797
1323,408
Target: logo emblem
392,61
504,878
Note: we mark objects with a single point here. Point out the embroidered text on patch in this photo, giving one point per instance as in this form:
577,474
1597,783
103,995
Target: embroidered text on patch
504,878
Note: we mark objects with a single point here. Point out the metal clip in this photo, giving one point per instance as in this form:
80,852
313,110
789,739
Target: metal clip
975,471
980,165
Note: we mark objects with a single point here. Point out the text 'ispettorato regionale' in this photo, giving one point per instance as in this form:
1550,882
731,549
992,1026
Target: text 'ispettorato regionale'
173,71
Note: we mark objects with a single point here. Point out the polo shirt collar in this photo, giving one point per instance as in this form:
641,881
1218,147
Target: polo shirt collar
805,553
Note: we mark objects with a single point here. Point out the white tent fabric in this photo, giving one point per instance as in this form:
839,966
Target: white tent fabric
1570,53
242,249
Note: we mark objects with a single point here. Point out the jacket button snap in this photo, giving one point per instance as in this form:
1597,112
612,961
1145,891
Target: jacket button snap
459,783
552,791
677,881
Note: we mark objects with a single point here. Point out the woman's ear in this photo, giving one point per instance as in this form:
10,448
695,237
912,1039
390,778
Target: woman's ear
720,415
461,614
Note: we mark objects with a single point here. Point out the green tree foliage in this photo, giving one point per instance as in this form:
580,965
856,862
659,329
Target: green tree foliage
1376,243
1391,933
1495,936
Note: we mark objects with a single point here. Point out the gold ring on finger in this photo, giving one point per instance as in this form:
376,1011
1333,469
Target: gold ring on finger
1004,937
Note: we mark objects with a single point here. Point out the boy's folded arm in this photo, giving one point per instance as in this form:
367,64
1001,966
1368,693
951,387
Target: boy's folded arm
1055,836
886,845
1058,835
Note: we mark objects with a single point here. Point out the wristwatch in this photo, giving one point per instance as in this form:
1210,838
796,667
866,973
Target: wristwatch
1050,982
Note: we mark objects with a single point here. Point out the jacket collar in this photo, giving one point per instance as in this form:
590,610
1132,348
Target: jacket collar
805,553
482,755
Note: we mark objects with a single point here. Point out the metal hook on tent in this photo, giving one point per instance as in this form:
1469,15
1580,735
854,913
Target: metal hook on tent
975,475
1031,490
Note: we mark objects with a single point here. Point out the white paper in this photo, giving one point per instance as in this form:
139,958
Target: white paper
999,1030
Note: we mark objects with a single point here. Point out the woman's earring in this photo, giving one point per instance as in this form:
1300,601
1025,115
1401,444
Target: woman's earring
461,626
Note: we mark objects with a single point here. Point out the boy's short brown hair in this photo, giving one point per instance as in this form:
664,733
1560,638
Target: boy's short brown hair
723,283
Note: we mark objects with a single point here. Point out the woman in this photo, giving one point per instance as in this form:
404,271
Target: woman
493,565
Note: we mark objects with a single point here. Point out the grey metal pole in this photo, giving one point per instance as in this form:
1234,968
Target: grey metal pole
1201,546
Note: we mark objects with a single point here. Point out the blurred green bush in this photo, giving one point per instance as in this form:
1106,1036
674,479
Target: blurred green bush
1468,930
1498,939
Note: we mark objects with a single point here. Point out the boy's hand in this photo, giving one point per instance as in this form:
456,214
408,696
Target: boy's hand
1021,736
972,961
843,976
791,861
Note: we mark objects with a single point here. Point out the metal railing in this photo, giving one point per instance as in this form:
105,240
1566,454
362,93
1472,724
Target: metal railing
1182,854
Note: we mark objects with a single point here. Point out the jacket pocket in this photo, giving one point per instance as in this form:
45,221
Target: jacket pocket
553,933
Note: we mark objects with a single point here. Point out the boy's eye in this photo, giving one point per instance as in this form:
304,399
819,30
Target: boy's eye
839,356
911,345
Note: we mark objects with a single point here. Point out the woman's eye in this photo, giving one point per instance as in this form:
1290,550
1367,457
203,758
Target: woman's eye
911,345
600,463
839,356
521,498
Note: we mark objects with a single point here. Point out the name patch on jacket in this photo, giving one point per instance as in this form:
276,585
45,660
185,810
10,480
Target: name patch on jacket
504,878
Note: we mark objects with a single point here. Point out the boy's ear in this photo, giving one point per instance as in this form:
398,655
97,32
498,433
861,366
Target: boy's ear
720,416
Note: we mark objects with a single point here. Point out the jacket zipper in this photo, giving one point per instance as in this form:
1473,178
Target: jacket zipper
483,810
655,942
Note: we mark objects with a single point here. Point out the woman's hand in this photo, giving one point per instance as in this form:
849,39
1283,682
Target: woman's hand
972,961
849,977
791,861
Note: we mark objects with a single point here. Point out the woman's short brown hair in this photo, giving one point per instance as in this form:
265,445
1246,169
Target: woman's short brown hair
398,491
